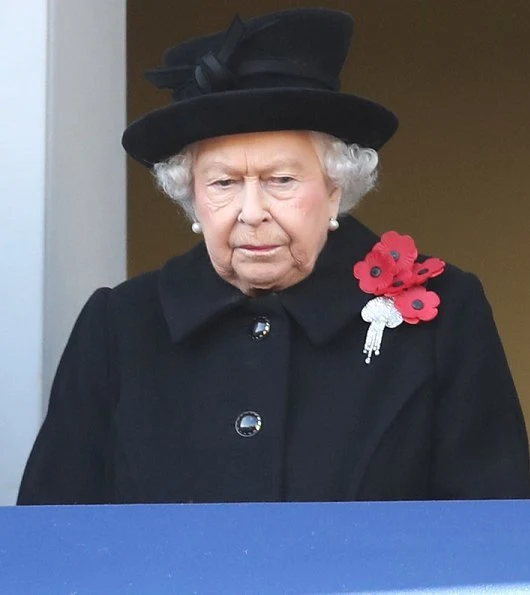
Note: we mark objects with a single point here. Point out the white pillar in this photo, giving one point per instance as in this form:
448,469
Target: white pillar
63,194
85,210
22,190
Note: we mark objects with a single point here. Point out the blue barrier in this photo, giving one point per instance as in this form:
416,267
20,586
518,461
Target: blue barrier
294,548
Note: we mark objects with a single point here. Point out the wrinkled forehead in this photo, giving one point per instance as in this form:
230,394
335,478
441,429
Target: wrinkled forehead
263,150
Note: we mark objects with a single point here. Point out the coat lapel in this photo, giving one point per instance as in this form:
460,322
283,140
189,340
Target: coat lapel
192,294
328,300
387,386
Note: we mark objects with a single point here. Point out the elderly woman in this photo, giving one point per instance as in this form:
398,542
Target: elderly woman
292,355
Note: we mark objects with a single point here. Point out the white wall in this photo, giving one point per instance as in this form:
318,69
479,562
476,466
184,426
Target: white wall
22,191
62,194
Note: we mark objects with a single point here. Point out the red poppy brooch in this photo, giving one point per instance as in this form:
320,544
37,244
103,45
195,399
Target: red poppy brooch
391,272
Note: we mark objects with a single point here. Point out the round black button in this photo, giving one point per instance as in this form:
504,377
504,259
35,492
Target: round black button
248,424
260,328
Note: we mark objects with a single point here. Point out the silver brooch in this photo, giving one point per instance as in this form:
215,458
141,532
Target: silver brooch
381,313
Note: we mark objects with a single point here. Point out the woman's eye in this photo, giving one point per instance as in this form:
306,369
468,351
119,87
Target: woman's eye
281,180
224,183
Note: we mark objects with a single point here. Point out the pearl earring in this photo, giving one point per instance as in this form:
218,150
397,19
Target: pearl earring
333,224
196,227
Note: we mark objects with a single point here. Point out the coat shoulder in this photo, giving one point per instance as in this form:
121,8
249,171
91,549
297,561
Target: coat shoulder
139,288
145,287
461,292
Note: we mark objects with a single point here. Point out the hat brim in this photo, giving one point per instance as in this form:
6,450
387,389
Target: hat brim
162,133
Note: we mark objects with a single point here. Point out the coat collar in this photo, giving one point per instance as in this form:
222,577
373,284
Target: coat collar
193,295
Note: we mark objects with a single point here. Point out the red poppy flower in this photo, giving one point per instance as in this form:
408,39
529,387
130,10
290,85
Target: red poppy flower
417,304
403,280
432,267
375,272
402,249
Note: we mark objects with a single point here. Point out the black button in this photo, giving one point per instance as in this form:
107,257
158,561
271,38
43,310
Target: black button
248,424
260,328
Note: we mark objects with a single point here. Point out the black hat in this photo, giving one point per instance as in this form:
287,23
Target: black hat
275,72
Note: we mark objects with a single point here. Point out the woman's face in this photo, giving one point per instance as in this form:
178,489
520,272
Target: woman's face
264,205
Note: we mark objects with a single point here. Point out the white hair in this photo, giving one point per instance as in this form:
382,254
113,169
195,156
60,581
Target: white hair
350,167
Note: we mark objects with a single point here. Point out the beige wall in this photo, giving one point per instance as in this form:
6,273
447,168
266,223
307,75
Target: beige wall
457,174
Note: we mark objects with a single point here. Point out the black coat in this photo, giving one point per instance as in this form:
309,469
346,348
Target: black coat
157,370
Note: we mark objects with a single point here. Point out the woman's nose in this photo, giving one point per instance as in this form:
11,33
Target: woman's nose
254,209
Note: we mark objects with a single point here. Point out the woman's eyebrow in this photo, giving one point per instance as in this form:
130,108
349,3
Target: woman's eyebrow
217,166
279,163
212,167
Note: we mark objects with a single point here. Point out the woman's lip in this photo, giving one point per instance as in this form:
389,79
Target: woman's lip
262,248
259,250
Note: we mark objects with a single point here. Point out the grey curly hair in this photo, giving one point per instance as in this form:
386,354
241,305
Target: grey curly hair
350,167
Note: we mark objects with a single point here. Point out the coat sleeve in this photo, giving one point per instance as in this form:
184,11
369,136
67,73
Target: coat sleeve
479,439
68,462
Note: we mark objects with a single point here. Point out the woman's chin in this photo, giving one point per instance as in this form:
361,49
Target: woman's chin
266,277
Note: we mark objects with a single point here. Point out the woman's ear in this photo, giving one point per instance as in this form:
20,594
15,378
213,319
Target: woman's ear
334,201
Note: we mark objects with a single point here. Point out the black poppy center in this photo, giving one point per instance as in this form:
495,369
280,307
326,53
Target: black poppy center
395,255
398,284
423,271
418,305
375,271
